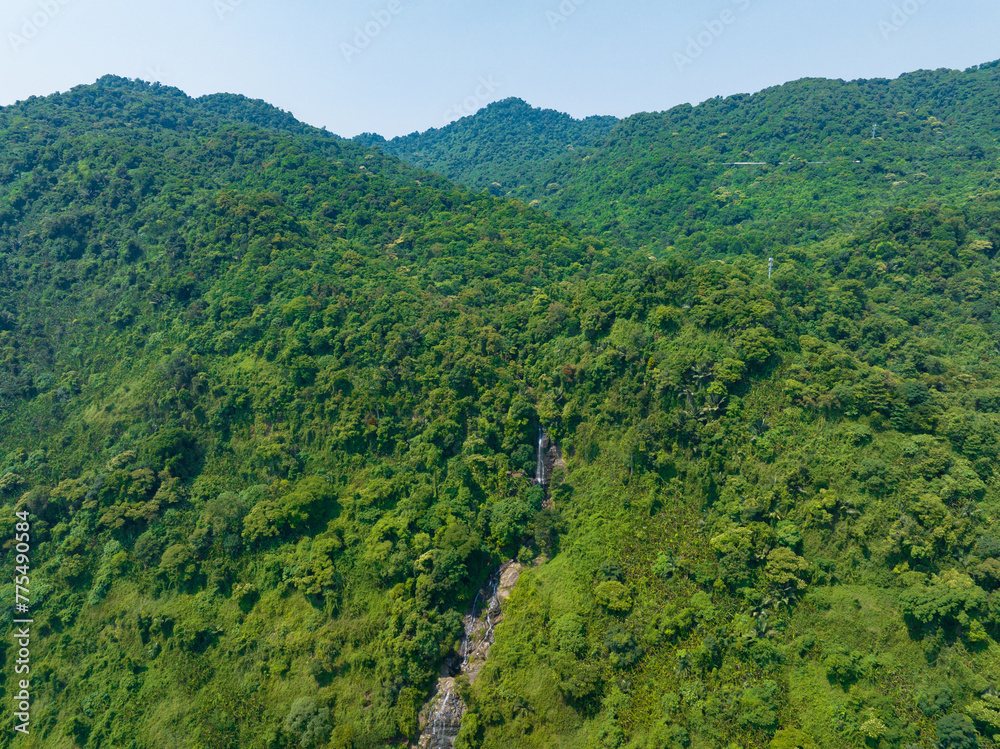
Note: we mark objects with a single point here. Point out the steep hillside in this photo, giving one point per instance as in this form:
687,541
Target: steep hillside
787,543
662,178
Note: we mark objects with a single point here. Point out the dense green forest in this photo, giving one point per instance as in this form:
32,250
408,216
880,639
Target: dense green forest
271,398
671,178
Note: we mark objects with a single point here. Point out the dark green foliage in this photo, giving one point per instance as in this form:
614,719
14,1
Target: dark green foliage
936,699
624,652
757,706
307,723
175,450
955,731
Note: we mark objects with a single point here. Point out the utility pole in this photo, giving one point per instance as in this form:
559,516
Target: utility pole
770,264
874,128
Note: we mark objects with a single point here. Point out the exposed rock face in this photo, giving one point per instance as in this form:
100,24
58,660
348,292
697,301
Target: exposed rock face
553,460
549,458
509,573
441,717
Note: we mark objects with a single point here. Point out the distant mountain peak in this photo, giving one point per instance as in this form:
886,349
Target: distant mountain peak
501,148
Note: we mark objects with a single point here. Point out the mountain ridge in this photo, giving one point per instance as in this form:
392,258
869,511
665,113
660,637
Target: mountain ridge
658,159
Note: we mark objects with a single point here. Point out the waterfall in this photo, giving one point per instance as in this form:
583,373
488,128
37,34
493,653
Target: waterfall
492,607
469,623
540,463
442,717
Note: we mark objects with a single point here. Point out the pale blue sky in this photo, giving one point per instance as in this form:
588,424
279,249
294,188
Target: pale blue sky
423,62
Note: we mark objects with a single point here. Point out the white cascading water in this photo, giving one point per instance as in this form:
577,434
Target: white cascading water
441,736
491,604
540,463
446,718
464,647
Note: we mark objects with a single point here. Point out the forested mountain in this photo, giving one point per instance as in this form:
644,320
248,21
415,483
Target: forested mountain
659,179
505,148
271,402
